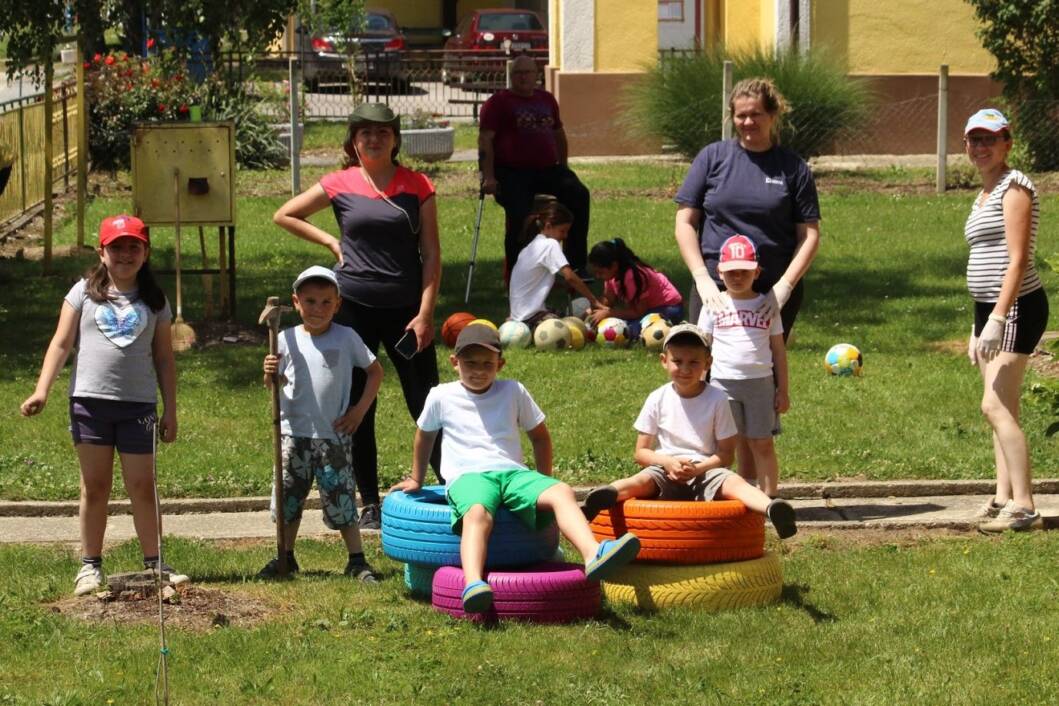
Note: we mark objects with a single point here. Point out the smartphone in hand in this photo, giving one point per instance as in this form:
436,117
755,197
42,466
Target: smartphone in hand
408,345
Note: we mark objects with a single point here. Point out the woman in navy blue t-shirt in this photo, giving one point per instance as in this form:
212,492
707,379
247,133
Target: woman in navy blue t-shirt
754,187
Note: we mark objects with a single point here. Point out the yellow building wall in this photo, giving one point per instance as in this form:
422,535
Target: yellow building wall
900,36
413,13
626,34
743,24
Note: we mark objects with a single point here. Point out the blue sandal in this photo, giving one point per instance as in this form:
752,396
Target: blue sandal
477,597
611,556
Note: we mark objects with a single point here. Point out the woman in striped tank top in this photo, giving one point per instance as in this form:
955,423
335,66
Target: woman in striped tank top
1011,310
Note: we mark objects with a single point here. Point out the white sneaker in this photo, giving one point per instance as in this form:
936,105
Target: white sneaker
168,573
1013,517
89,579
989,510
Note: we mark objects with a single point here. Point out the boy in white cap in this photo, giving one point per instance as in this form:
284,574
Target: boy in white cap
315,363
686,439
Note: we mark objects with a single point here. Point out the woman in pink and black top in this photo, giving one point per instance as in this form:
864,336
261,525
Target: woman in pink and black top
389,267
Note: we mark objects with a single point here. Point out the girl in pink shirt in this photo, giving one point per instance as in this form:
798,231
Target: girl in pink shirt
631,288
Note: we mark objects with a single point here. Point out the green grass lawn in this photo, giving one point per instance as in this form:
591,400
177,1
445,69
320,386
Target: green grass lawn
320,135
962,620
889,278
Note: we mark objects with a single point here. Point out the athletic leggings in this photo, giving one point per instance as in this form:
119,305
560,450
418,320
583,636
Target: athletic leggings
418,375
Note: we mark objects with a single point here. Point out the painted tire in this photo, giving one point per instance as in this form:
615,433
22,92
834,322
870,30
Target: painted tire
686,532
416,530
419,579
710,587
545,593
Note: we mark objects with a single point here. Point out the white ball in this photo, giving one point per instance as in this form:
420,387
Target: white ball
552,334
515,334
612,333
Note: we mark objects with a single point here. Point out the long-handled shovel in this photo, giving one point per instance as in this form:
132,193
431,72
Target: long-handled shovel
474,244
183,335
270,316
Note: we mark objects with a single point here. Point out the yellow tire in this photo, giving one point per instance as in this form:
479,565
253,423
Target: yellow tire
709,587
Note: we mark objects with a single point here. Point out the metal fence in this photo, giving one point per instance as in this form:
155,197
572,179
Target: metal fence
448,84
22,128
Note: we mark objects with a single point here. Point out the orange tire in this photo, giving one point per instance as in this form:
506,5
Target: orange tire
686,532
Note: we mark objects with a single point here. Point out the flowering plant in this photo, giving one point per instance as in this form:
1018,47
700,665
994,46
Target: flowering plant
422,119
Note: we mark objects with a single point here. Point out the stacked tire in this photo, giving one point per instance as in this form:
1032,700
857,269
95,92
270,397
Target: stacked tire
706,555
526,583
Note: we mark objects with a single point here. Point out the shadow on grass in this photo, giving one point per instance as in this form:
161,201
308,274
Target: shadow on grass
794,596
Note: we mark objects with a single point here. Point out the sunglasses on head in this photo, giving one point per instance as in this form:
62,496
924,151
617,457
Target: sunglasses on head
983,140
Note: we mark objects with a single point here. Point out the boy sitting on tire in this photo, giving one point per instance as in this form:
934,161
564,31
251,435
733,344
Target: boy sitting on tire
686,439
482,463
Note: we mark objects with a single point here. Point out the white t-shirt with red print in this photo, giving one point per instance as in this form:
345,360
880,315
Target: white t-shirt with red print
741,349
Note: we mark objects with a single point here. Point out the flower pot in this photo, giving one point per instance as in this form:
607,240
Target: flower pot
283,135
432,144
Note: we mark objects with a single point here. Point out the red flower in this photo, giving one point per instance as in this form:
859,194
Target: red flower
183,108
155,83
86,65
97,58
161,107
150,43
109,61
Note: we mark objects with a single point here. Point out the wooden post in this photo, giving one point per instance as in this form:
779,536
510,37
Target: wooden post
726,90
294,78
82,143
66,141
49,148
943,126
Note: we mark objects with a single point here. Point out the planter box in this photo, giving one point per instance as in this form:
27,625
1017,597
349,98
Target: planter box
432,144
282,131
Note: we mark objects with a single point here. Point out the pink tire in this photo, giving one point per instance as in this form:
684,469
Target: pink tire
545,593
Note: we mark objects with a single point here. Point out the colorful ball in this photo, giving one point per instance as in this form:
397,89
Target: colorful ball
574,322
450,330
577,338
515,334
485,322
649,319
612,333
590,330
844,359
654,334
579,307
552,334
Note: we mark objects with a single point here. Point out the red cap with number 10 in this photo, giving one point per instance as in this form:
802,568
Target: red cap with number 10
738,253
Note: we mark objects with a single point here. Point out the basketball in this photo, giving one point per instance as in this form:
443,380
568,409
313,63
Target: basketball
515,334
552,334
450,330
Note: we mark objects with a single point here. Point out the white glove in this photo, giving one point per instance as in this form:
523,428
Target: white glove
708,291
782,290
972,348
775,299
992,332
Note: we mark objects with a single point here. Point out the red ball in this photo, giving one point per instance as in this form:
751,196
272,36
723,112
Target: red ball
450,330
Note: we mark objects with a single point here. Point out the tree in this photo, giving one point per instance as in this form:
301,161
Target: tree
341,19
33,29
1023,37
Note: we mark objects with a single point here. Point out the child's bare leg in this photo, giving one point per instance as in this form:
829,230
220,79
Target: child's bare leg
766,464
638,486
474,541
560,500
745,465
350,535
97,477
138,472
290,533
736,488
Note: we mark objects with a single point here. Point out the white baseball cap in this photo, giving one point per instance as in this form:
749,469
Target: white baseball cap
989,119
686,329
316,272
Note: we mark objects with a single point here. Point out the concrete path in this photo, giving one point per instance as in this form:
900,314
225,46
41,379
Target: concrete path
901,505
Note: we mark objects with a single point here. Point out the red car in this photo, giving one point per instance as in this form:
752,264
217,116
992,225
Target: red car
477,51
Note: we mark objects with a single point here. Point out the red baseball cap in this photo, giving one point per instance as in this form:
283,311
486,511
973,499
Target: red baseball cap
122,226
738,253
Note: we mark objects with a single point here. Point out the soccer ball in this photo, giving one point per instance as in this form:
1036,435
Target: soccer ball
579,307
577,338
450,330
612,333
654,334
484,322
515,334
649,319
844,359
574,322
552,334
589,331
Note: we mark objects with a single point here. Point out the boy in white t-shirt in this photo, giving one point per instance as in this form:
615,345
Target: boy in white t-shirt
539,261
482,463
686,438
749,361
315,367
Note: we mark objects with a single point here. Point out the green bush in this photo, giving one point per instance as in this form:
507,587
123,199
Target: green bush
679,100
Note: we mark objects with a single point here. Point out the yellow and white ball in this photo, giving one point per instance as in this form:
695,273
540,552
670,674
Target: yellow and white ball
654,334
552,334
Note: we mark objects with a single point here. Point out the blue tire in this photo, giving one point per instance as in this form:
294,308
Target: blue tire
419,580
416,530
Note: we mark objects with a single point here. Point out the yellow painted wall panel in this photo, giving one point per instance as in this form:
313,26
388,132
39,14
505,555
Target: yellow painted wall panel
413,13
626,34
900,36
742,24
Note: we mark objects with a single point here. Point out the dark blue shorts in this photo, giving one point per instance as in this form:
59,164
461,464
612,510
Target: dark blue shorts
127,426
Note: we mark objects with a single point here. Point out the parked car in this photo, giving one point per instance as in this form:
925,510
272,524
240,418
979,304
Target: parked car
475,55
378,57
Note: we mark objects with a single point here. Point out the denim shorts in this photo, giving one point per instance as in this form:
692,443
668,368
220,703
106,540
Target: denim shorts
127,426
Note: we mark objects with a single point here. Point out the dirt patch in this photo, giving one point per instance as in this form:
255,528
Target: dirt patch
1043,361
194,608
219,333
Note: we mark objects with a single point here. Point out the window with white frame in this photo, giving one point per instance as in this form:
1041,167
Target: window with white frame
671,10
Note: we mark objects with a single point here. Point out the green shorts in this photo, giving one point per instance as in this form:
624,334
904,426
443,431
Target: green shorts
516,490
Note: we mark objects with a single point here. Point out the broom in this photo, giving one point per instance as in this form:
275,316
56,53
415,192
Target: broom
183,335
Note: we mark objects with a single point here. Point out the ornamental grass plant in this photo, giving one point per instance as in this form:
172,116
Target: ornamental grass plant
679,100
